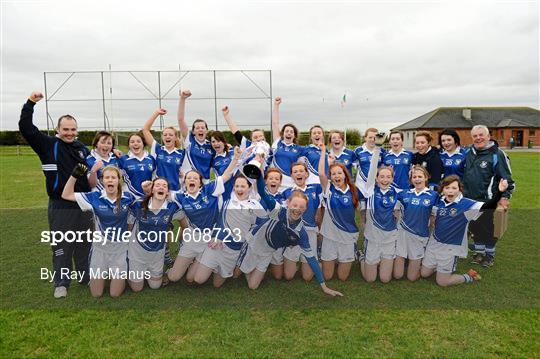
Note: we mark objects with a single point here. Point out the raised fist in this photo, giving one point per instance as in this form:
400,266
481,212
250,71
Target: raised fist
277,101
79,170
225,110
35,96
185,94
161,111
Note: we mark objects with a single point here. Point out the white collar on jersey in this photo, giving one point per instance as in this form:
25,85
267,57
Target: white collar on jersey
164,148
163,206
286,144
131,155
456,151
364,148
104,195
456,200
337,154
391,152
205,141
223,154
303,189
234,198
97,156
384,191
339,189
425,190
314,146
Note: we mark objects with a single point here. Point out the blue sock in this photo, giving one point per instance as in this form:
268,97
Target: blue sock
479,248
490,252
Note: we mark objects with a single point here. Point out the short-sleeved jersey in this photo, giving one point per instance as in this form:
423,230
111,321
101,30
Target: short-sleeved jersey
199,156
401,163
236,219
136,170
151,226
109,220
285,155
91,160
416,209
276,232
314,195
202,209
168,164
380,206
452,220
453,164
363,157
347,157
339,220
312,155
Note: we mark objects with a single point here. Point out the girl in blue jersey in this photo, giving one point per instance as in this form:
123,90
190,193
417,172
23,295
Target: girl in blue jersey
339,152
222,159
312,153
285,148
200,203
236,218
102,151
448,242
313,192
168,156
137,166
380,231
339,229
399,159
416,205
452,154
199,151
282,228
151,219
111,206
363,157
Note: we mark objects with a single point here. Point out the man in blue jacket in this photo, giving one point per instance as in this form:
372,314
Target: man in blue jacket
59,155
485,165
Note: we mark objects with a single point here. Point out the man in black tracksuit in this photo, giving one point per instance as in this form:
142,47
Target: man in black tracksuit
59,155
485,165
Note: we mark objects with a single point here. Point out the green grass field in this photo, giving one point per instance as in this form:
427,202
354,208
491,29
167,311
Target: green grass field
498,316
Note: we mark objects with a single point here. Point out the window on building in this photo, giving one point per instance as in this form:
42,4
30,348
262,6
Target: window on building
532,133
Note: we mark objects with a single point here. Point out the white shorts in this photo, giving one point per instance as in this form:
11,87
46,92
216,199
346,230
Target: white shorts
192,249
442,262
222,261
102,263
332,250
410,245
277,257
294,253
377,251
254,261
143,263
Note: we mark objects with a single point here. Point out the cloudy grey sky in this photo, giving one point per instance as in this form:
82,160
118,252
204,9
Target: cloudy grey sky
394,60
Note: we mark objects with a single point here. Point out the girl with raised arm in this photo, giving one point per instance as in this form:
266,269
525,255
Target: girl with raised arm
137,166
282,228
448,242
168,154
285,148
339,229
199,152
312,153
110,207
200,203
224,156
103,145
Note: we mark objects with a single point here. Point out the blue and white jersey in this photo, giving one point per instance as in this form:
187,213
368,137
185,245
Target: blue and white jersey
401,163
220,164
453,163
312,155
276,232
199,156
285,155
150,227
236,219
347,157
168,164
339,220
380,218
314,195
202,209
451,223
363,158
416,209
136,170
108,219
91,160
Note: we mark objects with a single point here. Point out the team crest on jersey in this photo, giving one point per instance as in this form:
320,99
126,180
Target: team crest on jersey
346,161
424,164
166,218
406,161
458,161
205,199
453,212
426,202
483,164
177,161
415,201
313,195
345,200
